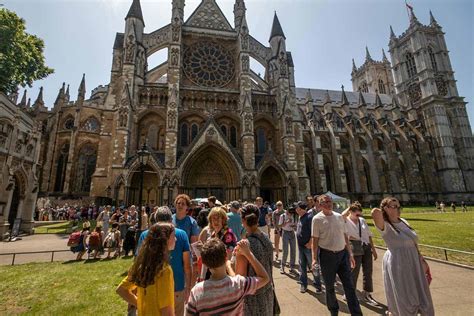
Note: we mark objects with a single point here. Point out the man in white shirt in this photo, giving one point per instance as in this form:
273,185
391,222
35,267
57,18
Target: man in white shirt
335,257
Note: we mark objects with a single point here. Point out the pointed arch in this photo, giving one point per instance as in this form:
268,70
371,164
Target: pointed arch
85,167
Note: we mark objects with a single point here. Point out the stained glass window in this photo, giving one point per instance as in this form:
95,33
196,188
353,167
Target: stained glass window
183,135
85,168
208,64
194,131
233,136
91,125
69,123
61,168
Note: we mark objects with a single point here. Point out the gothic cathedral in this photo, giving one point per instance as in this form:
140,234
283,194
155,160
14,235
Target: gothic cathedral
212,125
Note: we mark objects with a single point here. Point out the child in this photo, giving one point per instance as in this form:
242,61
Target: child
81,247
223,294
95,241
151,275
112,241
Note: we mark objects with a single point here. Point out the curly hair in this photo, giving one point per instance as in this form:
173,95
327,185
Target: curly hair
153,255
185,197
220,212
384,204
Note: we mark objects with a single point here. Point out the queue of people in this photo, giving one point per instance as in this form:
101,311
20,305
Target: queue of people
218,259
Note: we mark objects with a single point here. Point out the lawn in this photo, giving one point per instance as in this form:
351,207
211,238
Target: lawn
447,230
61,228
63,288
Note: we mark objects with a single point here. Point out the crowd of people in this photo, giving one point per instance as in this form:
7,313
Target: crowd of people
213,259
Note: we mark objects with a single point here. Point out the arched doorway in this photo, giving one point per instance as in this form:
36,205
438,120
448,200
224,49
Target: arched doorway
151,194
15,202
272,186
211,171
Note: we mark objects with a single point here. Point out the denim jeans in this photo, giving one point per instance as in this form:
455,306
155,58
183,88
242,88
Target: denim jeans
333,263
289,239
305,262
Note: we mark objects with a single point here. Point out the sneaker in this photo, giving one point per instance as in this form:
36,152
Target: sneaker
303,288
293,271
370,300
298,282
282,270
318,291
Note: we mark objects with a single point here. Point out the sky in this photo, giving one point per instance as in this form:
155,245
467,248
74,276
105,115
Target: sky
323,36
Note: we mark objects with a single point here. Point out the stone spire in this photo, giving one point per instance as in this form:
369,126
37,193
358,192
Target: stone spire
22,103
367,54
67,96
60,96
354,67
378,101
384,57
239,13
28,104
361,99
392,33
327,98
135,11
433,21
276,28
39,100
82,89
413,19
344,100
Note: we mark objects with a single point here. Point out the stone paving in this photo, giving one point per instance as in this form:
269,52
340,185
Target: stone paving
452,288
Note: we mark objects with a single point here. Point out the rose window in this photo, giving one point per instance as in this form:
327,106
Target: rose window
208,64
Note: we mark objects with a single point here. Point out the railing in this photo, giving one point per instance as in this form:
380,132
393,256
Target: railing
14,254
441,253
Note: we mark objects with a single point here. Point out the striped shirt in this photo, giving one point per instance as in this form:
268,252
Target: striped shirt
222,297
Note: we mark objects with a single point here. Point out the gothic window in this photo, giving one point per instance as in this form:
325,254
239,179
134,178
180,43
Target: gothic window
194,131
61,168
69,123
224,130
183,135
327,172
233,136
91,125
345,144
380,145
397,146
411,66
208,64
364,87
382,87
261,141
85,168
434,64
152,137
29,150
362,144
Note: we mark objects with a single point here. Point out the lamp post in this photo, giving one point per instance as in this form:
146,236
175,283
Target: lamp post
143,157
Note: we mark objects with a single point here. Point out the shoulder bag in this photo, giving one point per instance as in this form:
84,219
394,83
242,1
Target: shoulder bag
356,245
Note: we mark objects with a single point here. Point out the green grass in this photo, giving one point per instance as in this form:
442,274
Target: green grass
69,288
60,228
447,230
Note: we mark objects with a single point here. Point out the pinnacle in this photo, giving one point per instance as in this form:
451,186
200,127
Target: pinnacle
276,28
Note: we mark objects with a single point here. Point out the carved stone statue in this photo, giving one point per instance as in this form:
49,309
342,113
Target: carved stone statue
130,49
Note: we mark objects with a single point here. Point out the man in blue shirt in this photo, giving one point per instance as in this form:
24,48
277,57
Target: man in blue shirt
182,221
303,236
263,217
234,220
180,261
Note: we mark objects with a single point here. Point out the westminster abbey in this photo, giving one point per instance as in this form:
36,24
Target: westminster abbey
212,125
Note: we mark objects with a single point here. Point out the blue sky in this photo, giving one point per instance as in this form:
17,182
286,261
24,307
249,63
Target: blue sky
323,35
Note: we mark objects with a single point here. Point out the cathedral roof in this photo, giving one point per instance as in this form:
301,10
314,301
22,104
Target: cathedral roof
319,95
208,15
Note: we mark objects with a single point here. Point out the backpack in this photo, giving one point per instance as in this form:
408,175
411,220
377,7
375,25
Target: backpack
74,239
110,241
94,239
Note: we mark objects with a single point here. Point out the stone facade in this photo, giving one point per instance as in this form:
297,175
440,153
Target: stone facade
20,138
214,126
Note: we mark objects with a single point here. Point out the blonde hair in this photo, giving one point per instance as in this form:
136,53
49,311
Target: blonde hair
218,211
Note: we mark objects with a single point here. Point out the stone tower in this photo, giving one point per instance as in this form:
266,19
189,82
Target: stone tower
373,76
424,81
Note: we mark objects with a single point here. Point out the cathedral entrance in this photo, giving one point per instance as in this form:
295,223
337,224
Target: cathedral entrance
14,203
272,187
211,171
151,188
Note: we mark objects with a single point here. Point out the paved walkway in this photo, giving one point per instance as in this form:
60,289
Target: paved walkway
452,288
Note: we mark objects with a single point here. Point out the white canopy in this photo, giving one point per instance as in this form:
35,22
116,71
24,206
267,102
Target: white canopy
339,203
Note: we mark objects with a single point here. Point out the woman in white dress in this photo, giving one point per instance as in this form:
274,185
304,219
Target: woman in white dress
404,274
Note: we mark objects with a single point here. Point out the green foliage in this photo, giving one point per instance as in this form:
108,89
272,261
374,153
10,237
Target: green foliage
21,54
63,288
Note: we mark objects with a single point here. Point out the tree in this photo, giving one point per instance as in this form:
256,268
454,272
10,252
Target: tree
21,54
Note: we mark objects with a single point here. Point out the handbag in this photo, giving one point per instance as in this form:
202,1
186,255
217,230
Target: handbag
356,245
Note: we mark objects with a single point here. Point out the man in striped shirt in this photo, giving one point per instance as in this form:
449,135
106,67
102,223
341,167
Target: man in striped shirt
223,294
